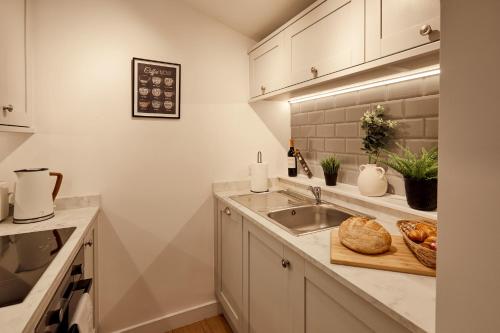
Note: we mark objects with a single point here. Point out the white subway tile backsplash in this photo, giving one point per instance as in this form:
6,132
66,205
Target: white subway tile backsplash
392,109
325,103
325,131
316,144
422,107
295,108
347,130
353,146
334,116
346,99
356,112
410,128
307,106
405,89
301,144
377,94
431,85
299,119
316,117
348,161
431,127
416,145
332,125
335,145
308,131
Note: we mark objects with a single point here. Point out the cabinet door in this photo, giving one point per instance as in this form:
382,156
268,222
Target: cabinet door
393,26
89,263
264,282
328,39
332,308
268,67
13,110
230,236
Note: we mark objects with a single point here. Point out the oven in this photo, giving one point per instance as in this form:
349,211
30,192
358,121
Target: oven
59,312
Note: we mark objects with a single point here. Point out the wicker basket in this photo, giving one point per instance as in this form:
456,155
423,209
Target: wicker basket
424,255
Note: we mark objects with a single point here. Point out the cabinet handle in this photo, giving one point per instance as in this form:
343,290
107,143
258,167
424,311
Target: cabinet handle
227,211
425,30
89,243
8,108
285,263
314,71
263,89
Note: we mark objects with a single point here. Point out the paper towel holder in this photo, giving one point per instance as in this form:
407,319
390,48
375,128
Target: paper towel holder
261,187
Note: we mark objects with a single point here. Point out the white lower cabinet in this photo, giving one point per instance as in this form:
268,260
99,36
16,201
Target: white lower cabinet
265,287
229,263
330,307
272,277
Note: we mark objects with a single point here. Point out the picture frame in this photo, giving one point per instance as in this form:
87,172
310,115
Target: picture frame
156,89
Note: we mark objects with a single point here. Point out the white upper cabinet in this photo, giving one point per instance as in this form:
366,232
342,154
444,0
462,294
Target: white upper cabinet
393,26
334,38
268,67
13,64
328,39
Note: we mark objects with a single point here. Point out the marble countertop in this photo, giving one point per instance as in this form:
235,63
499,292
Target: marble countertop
408,299
24,317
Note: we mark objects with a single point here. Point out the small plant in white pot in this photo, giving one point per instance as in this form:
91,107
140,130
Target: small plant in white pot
330,167
371,180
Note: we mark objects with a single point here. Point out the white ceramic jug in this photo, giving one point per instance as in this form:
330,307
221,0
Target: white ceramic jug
371,180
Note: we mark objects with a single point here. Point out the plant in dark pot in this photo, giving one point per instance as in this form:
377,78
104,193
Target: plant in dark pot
330,167
420,172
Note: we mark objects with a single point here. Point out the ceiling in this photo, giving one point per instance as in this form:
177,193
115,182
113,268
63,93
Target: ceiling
253,18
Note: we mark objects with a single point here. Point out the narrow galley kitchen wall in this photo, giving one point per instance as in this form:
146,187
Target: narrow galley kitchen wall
154,176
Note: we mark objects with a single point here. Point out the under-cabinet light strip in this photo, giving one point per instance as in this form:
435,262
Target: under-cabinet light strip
382,82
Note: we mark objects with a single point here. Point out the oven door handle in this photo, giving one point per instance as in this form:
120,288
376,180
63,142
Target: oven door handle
84,285
56,316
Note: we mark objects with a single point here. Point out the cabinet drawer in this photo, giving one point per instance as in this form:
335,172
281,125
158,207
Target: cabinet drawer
330,38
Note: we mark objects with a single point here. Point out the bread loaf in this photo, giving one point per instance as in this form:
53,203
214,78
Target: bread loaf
364,235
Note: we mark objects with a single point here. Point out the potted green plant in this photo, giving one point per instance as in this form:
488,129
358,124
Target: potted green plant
372,180
330,167
420,172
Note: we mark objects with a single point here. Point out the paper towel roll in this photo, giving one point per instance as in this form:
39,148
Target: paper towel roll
4,200
83,316
258,177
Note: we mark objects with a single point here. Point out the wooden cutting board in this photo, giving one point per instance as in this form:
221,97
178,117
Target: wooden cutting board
399,258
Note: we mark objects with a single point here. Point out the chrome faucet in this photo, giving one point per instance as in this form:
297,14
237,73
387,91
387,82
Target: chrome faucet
316,190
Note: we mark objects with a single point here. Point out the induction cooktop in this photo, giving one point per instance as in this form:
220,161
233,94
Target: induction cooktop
24,258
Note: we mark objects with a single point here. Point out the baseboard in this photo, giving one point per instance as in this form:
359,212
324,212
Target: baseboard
175,320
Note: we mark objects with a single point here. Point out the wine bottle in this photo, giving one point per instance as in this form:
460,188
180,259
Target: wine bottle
292,161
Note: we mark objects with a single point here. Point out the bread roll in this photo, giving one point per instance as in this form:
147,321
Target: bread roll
417,236
363,235
429,230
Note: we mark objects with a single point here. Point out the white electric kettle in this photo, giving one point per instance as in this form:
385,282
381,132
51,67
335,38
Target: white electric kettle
34,195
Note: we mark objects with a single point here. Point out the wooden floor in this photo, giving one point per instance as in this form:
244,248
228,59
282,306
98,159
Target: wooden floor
217,324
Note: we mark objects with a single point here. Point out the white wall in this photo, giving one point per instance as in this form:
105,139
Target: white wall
468,293
154,175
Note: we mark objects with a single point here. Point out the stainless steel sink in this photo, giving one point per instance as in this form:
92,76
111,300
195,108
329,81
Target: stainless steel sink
310,218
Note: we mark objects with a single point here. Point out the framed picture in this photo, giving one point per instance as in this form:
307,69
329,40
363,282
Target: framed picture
156,89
